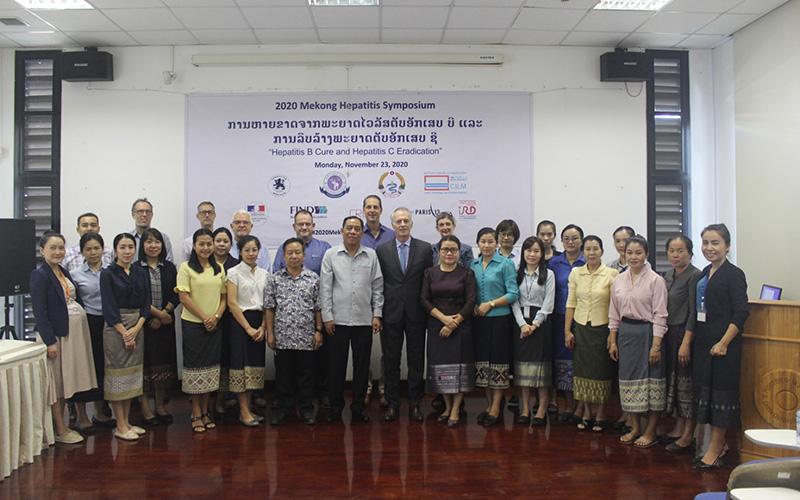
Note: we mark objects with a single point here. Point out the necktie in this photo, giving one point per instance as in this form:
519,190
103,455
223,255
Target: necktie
403,256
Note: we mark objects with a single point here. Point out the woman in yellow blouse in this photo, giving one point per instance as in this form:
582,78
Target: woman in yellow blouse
586,333
203,292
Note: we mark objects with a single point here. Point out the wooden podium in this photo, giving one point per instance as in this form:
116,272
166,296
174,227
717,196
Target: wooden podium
770,383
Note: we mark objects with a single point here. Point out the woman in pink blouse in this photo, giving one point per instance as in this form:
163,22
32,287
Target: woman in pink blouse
638,313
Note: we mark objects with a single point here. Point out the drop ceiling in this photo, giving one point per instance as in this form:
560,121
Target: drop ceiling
681,24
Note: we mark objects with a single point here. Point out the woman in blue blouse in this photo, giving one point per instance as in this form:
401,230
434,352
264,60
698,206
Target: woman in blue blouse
126,306
492,324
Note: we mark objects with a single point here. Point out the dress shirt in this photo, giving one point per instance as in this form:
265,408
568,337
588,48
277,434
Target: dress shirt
263,256
186,251
249,286
88,283
315,249
498,279
73,258
167,243
589,294
561,268
204,288
120,290
465,257
513,257
531,293
645,300
384,234
678,288
295,301
351,288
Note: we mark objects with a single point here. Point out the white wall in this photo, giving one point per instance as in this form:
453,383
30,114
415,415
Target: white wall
767,83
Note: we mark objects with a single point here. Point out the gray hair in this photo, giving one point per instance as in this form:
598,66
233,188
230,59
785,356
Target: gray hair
402,209
241,211
141,200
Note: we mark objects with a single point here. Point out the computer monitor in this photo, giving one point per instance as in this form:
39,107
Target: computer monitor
769,292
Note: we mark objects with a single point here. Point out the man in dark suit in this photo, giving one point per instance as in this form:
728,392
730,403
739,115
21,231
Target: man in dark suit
403,262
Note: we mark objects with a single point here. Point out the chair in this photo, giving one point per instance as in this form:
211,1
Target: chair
776,472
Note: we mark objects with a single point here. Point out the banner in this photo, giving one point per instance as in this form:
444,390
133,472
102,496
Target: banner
274,154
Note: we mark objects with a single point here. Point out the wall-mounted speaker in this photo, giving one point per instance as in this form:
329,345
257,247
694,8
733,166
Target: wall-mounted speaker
87,66
621,66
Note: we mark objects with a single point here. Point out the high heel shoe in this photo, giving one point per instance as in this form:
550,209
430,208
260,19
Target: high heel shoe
720,462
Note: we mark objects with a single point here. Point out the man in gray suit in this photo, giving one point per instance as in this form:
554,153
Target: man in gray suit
403,262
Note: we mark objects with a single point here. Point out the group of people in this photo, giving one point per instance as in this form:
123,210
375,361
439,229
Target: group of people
535,317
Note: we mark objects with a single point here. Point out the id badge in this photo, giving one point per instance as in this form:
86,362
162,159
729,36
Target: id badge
73,309
526,312
701,316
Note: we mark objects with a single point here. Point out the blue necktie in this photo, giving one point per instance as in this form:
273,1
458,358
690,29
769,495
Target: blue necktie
403,256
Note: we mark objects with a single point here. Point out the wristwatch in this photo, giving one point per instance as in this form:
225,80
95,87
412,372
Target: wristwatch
491,303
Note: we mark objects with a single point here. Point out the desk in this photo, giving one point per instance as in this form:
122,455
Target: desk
779,438
26,424
764,494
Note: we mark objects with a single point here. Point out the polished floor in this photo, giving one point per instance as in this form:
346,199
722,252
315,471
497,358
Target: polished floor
401,459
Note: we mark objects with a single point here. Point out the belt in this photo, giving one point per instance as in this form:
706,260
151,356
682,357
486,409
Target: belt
631,321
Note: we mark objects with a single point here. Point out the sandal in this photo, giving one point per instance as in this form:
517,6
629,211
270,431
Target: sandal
629,440
584,424
200,428
600,425
642,445
210,424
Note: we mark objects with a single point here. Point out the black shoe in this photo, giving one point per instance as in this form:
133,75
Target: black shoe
105,424
250,423
491,420
391,414
482,416
164,419
415,414
524,419
73,413
663,438
325,402
438,402
107,411
538,421
360,414
308,418
513,402
275,404
88,428
278,419
151,421
333,416
443,417
676,448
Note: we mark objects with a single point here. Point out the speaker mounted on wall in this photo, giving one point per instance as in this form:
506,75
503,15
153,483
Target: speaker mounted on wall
87,66
624,66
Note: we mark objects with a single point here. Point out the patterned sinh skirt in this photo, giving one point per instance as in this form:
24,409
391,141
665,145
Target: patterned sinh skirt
679,377
594,368
247,357
201,356
533,355
451,366
716,379
642,386
160,357
491,338
123,367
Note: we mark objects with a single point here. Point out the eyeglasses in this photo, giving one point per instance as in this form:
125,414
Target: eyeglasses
241,223
506,235
571,240
206,212
143,212
448,250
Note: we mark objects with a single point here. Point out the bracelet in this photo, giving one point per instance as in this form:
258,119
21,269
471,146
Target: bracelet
656,349
612,345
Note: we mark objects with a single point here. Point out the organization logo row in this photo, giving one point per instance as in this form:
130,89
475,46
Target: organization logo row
390,184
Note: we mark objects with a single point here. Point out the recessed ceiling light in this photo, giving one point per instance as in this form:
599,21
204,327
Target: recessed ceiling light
54,4
329,3
631,4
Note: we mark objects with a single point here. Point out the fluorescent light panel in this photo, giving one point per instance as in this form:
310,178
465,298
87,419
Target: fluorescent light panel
330,3
631,4
54,4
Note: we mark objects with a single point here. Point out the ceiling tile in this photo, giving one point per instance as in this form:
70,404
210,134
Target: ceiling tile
390,35
6,43
177,37
611,20
144,19
594,39
200,3
419,3
336,35
9,4
756,6
125,4
482,18
273,3
558,4
102,39
653,40
78,20
287,36
674,22
473,37
211,17
488,3
548,19
41,39
712,6
727,24
34,23
225,37
278,17
534,37
414,17
703,41
346,17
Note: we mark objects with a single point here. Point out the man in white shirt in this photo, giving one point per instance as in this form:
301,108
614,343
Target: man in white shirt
241,226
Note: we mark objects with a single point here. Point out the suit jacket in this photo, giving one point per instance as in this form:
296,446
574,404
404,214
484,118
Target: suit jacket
402,291
726,300
49,304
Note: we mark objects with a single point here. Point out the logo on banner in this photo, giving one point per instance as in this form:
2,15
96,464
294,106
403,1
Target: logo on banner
394,186
258,213
357,212
317,211
334,185
445,182
279,185
467,209
433,212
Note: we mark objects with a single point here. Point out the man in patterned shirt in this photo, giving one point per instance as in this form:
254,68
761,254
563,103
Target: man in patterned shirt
87,223
294,332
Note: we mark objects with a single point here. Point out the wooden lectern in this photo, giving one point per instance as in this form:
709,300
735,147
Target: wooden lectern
770,384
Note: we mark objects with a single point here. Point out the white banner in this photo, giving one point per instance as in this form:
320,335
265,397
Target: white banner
274,154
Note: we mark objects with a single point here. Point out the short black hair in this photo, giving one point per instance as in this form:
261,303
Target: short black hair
87,214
